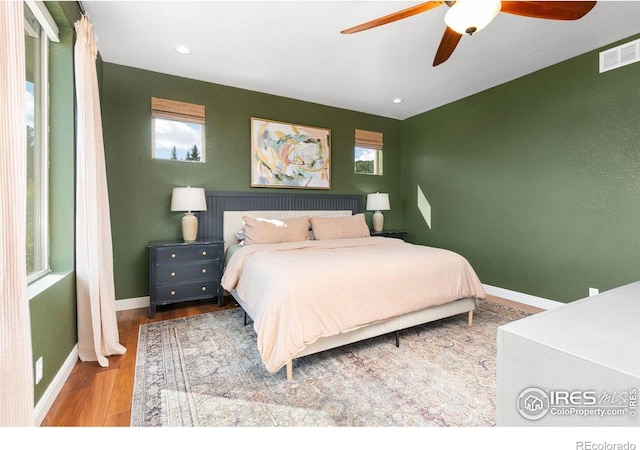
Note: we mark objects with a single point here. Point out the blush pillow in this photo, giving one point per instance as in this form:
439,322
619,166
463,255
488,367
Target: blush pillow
270,231
343,227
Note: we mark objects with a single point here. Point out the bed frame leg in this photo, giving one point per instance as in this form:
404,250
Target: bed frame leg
470,320
290,370
397,338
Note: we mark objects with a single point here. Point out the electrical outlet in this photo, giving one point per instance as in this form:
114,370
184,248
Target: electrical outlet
593,291
39,364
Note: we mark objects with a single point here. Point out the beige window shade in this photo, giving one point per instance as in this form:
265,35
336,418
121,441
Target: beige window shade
175,110
369,139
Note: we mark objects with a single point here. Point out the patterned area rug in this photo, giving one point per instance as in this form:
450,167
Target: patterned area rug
205,370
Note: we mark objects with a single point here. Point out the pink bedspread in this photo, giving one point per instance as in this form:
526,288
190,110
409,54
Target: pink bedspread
301,291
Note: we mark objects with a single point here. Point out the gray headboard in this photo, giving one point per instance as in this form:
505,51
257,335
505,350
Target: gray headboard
210,221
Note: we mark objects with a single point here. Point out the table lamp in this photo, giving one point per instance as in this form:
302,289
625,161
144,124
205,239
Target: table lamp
378,202
188,199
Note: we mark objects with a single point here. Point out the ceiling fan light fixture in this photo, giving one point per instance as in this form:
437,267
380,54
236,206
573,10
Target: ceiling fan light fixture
469,16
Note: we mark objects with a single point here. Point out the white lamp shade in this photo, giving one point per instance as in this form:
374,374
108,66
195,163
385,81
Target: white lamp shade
188,199
468,17
378,202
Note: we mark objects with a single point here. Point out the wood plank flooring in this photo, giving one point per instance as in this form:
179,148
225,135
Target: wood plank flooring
95,396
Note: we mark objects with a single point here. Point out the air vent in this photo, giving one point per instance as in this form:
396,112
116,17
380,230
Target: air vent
619,56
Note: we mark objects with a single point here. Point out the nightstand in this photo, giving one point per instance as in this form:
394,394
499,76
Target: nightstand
181,271
390,233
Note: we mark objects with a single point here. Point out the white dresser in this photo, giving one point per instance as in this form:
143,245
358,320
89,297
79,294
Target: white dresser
576,365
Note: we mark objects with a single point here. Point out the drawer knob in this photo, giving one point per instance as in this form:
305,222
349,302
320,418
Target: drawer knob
204,270
204,253
173,274
204,288
173,255
173,292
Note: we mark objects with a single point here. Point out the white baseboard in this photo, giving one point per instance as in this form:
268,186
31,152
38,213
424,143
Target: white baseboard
42,408
132,303
49,396
519,297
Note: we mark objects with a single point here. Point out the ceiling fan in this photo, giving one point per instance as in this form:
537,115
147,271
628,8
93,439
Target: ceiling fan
470,16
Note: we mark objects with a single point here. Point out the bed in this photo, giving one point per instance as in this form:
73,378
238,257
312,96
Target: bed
312,278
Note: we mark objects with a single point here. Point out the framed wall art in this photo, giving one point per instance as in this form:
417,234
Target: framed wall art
284,155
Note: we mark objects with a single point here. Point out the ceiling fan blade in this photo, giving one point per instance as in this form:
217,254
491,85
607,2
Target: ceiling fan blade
448,44
393,17
548,9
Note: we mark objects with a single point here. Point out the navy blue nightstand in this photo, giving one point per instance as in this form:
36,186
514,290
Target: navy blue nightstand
180,271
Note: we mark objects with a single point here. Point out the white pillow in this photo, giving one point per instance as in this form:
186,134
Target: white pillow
342,227
273,231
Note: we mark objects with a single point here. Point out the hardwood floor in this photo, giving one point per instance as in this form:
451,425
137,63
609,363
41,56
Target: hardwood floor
95,396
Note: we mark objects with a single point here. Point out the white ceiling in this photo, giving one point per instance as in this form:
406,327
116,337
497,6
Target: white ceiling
295,49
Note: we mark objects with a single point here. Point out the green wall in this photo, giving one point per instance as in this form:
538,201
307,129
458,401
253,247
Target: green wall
140,187
536,182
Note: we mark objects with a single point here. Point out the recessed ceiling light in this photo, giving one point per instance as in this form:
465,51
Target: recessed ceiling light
183,49
397,100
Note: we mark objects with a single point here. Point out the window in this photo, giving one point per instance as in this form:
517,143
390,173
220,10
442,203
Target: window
36,56
177,130
368,153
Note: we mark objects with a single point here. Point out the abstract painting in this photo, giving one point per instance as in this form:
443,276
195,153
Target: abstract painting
285,155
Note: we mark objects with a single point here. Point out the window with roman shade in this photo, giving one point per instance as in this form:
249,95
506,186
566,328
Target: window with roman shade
178,130
368,152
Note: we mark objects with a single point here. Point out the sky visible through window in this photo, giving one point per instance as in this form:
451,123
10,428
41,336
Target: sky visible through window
30,104
182,136
365,154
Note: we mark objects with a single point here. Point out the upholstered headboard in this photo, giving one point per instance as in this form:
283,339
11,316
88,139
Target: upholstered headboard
211,221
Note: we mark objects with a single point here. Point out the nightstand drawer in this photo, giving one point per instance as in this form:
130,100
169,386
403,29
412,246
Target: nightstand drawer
184,291
187,254
177,273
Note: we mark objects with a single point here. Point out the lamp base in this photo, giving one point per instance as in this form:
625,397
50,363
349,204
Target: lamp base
378,221
189,227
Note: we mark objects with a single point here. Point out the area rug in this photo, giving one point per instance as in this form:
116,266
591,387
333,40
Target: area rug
206,371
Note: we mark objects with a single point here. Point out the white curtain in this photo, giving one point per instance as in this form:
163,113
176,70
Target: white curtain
16,376
97,325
